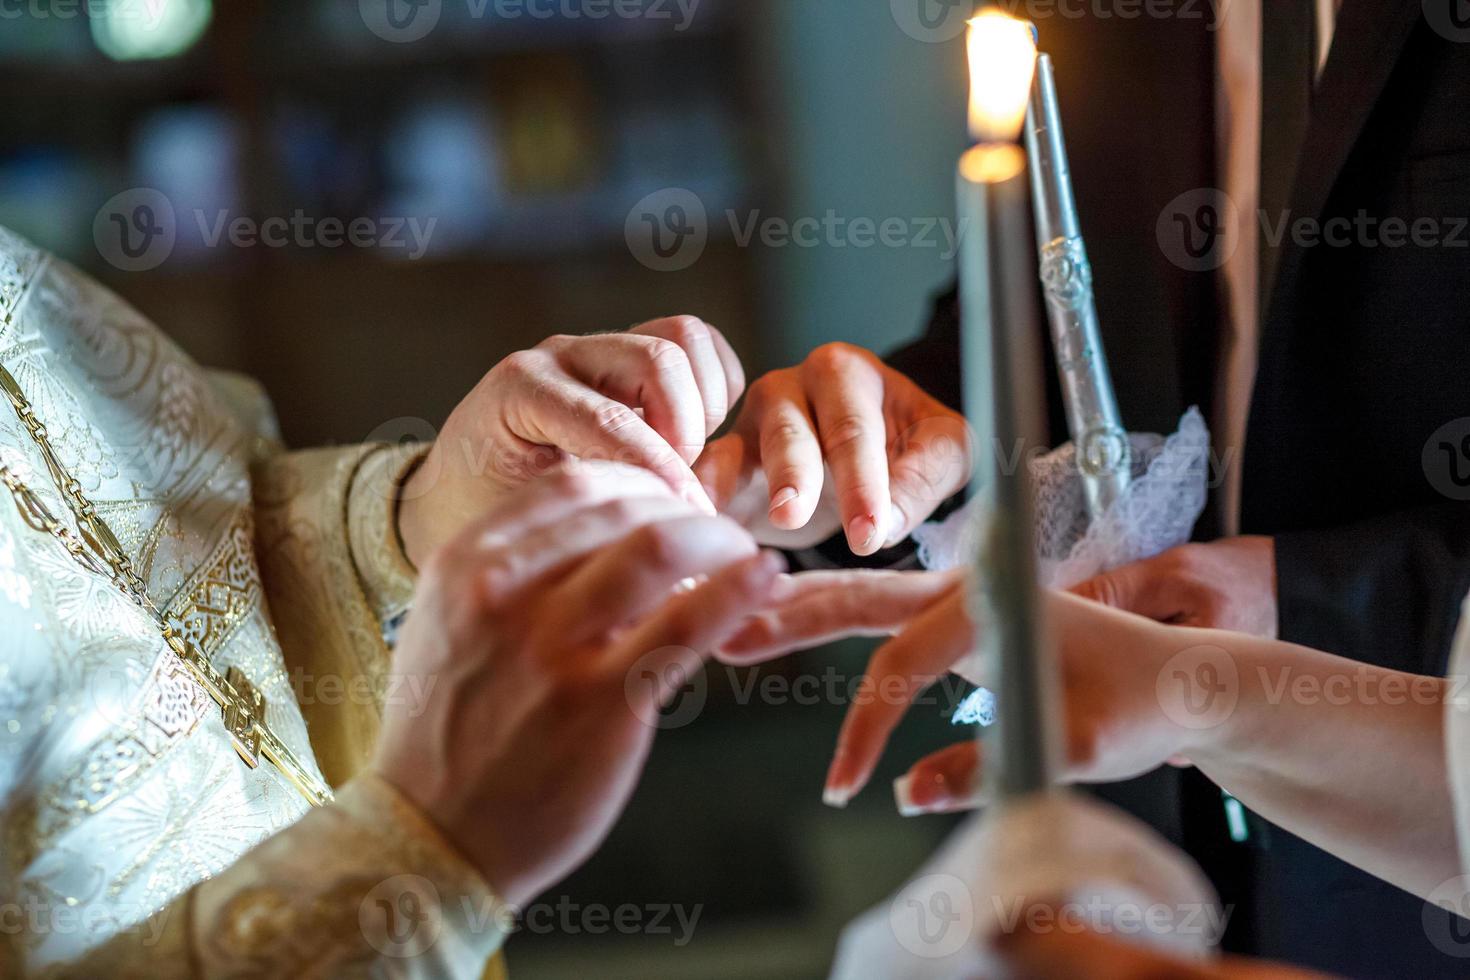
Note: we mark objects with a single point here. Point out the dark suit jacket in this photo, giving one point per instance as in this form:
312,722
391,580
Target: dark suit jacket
1365,348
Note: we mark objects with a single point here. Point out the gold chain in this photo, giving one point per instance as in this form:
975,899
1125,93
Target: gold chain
97,549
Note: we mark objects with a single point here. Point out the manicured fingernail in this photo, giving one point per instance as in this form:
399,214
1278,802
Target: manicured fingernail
835,797
860,533
783,497
903,796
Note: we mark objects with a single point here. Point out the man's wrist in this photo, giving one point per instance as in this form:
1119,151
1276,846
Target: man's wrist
379,549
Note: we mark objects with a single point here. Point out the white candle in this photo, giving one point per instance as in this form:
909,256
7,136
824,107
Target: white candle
1000,339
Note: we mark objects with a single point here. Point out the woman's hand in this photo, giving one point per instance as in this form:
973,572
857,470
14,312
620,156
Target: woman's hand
648,398
552,632
1112,668
894,453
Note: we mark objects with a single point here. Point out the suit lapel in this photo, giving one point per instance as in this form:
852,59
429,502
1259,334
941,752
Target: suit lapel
1370,35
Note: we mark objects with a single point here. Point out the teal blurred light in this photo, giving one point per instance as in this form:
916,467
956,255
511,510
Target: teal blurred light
149,29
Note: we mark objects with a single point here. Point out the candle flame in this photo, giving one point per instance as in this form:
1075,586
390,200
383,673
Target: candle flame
1002,64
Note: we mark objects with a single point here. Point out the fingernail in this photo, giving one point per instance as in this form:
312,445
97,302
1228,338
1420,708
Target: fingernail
783,497
835,797
896,525
860,533
902,795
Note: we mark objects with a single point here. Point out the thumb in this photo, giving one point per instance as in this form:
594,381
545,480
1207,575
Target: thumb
1143,588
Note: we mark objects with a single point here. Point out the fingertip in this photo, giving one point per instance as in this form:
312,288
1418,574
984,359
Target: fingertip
862,534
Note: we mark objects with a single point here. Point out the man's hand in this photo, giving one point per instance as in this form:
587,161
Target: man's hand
893,452
648,398
553,633
1228,584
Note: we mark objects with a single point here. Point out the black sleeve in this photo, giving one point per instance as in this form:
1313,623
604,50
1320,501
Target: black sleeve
1385,591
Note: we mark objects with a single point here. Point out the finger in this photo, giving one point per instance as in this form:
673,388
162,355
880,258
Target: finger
642,372
846,391
672,645
734,372
931,463
639,573
721,469
944,782
514,566
901,669
791,455
696,339
822,607
1145,588
551,498
572,417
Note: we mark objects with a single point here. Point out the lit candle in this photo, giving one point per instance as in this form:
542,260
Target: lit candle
1003,398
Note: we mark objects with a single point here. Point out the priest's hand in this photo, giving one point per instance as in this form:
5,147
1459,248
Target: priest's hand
648,397
553,630
1111,664
1226,584
842,442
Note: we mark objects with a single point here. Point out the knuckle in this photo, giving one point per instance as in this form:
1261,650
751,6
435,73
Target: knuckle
556,341
521,364
831,358
665,356
612,417
843,432
688,331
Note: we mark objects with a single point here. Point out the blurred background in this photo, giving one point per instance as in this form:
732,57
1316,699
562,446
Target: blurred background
366,204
